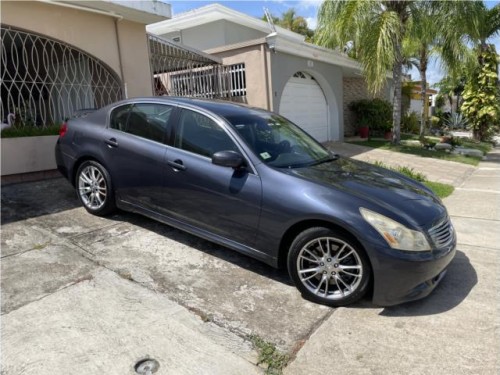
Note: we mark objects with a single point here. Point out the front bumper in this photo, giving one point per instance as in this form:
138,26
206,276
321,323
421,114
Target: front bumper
407,276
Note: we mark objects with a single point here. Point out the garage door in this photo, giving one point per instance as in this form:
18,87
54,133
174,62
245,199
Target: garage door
304,103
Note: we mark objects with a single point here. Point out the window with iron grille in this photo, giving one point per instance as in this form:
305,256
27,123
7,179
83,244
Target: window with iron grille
238,80
43,81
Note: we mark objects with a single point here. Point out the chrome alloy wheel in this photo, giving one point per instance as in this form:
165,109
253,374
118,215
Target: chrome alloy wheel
329,268
92,187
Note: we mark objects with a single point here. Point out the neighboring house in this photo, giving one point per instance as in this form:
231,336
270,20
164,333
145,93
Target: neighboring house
61,56
416,98
273,69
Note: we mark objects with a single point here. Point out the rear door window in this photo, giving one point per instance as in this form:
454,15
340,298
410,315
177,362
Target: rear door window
119,117
145,120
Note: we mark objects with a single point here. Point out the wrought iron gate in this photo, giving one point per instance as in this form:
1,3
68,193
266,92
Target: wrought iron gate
181,71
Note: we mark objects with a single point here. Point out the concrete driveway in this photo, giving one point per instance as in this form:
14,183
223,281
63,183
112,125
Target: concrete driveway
88,295
94,295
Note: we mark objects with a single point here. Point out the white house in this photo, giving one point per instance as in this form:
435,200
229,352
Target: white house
275,68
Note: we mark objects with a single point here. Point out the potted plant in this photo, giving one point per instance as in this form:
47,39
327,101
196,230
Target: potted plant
360,108
386,126
363,129
372,115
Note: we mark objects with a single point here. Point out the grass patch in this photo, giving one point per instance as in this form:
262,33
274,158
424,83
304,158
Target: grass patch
40,246
407,171
420,151
441,190
29,131
483,146
273,360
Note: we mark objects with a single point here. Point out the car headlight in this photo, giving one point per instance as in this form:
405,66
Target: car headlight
396,234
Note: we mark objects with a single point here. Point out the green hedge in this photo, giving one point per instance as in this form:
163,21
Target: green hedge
29,131
374,113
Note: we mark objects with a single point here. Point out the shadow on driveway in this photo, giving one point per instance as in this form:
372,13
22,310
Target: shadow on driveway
33,199
452,291
204,246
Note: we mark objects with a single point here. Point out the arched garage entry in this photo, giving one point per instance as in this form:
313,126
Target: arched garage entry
304,102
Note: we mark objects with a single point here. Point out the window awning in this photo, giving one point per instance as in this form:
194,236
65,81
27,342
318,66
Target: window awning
167,56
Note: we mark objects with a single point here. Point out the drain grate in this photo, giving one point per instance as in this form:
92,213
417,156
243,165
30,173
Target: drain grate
147,366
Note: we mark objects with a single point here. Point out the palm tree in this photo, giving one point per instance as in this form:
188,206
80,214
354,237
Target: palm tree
419,47
474,25
452,86
291,21
377,29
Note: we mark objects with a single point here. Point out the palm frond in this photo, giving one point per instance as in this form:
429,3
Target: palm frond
379,38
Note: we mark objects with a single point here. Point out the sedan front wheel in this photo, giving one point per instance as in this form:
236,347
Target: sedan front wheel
328,268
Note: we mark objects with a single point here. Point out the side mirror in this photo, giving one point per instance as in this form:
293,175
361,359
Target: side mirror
231,159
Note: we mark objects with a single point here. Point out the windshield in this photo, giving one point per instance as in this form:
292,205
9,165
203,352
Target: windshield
277,141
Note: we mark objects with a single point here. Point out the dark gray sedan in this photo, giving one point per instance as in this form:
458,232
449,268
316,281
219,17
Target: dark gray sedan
254,182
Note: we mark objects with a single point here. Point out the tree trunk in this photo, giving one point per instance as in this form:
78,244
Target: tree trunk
397,75
423,91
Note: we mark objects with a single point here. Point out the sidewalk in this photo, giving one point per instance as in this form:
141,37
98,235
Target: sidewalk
454,330
446,172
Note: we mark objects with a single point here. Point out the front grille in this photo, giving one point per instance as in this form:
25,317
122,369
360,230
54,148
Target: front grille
442,234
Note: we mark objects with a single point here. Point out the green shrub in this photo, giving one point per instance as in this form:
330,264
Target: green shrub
29,131
410,123
375,113
440,101
435,121
456,121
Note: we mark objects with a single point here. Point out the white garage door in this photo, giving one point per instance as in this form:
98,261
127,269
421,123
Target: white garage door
304,103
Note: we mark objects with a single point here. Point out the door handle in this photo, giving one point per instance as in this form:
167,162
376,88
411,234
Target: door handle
177,165
111,142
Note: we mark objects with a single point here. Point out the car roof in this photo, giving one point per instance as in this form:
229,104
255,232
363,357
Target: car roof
220,107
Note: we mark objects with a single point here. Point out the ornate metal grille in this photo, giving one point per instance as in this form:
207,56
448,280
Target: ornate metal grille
181,71
44,81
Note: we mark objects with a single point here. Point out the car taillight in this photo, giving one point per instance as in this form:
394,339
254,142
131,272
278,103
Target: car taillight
63,129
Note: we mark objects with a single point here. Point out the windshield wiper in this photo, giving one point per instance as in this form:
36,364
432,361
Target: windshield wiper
326,159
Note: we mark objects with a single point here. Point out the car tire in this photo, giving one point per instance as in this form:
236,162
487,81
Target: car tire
328,267
94,188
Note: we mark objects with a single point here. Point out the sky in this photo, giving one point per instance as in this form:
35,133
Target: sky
305,8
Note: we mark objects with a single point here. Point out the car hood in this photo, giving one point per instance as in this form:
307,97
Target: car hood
391,190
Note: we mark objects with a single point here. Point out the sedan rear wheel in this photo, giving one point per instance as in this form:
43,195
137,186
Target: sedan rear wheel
328,268
93,186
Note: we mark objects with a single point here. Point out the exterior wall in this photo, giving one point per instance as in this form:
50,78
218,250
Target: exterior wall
257,80
236,33
28,154
214,34
201,37
355,88
135,59
93,33
416,106
328,76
